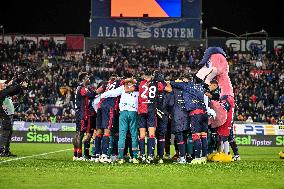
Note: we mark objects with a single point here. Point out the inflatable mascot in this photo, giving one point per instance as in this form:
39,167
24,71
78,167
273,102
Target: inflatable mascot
215,66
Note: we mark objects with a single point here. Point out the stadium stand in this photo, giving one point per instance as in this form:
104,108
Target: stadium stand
257,78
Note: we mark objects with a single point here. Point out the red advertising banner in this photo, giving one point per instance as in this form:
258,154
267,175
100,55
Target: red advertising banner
75,42
259,72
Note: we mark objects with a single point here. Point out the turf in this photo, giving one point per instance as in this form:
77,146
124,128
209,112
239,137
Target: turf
260,167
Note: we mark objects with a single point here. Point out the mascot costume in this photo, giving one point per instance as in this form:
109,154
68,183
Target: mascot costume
215,66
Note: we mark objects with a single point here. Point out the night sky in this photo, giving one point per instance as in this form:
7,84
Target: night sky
71,16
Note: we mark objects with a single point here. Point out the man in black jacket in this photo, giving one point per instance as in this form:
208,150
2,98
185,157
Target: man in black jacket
6,114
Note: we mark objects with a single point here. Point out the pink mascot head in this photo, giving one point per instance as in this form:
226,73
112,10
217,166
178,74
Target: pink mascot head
216,66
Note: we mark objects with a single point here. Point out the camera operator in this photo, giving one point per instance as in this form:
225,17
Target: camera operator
7,90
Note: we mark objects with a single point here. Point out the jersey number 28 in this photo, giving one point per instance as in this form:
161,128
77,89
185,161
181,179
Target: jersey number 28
152,91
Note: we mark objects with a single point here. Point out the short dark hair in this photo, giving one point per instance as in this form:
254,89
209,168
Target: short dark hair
147,73
114,75
82,76
214,81
187,76
102,83
139,74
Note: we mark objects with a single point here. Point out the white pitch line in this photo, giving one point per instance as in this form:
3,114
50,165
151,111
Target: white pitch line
25,157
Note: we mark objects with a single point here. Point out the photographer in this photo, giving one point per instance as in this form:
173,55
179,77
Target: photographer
6,114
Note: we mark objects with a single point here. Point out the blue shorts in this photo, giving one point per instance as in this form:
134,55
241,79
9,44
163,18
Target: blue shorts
81,123
199,123
105,118
147,120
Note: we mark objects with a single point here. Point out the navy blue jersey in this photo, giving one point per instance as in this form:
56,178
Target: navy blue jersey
91,108
111,102
82,96
193,95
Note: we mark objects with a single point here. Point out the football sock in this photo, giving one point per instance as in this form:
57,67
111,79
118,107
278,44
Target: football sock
181,148
175,144
151,146
189,146
115,145
93,149
98,143
204,145
226,147
142,146
75,152
105,144
86,148
197,148
79,152
221,146
168,148
234,147
110,147
161,147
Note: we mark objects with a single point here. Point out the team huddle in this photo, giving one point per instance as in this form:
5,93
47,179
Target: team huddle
124,114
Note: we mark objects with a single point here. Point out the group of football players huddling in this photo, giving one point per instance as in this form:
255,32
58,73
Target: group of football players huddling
122,116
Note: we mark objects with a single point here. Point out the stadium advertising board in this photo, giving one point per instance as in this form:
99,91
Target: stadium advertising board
260,140
245,44
43,126
151,19
58,137
258,129
146,29
259,135
74,42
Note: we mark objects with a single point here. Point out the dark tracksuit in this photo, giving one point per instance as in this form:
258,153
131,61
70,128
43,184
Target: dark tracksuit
163,120
180,119
193,94
6,119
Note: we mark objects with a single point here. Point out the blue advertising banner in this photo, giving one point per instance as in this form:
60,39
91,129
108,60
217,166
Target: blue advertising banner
146,28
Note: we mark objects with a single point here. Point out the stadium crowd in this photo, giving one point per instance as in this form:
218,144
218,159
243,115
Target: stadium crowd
52,71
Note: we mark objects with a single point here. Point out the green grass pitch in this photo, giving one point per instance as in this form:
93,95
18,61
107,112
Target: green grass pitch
260,167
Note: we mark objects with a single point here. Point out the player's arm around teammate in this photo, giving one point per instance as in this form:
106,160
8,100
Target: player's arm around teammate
128,106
